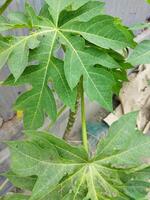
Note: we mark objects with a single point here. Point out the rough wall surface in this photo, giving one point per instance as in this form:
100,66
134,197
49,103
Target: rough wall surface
130,11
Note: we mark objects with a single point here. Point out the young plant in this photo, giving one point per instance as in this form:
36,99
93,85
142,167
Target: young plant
92,63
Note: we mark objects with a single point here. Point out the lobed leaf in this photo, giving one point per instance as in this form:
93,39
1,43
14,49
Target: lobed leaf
117,171
141,54
90,43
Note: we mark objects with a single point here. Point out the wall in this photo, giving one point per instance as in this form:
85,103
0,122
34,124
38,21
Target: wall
131,11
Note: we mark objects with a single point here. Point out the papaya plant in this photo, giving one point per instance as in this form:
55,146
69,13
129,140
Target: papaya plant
92,63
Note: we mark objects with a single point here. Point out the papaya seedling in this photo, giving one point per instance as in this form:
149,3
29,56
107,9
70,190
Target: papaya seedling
92,64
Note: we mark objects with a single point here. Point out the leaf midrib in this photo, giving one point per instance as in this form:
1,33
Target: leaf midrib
44,162
100,36
27,38
92,182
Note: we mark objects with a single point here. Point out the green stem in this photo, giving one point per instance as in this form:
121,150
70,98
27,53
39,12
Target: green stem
72,116
4,6
83,117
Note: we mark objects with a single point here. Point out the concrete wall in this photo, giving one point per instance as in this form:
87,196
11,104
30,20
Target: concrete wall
130,11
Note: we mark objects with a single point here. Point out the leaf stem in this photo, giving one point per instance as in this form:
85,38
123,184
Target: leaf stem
83,117
4,6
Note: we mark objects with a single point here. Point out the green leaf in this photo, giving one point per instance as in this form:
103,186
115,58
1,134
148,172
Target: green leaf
16,53
56,6
86,38
26,183
78,58
98,86
61,86
6,25
30,13
18,59
141,54
122,150
97,83
140,26
18,18
39,100
15,197
47,164
44,12
103,31
118,170
84,13
4,55
119,77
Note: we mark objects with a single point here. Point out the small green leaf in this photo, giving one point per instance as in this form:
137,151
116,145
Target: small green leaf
18,59
26,183
141,54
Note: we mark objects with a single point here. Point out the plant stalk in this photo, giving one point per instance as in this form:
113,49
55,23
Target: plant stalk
71,121
72,116
4,6
83,117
